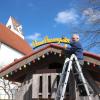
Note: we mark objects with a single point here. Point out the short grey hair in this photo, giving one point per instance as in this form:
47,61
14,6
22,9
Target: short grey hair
76,35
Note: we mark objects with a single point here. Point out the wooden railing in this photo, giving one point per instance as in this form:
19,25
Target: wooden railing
45,85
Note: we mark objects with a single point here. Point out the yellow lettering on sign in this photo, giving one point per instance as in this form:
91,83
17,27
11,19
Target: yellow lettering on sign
48,40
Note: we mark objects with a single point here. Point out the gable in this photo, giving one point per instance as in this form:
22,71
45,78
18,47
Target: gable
38,55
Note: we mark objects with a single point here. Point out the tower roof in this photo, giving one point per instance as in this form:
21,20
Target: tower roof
15,22
15,26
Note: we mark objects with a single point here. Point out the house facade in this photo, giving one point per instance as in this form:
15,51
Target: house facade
39,73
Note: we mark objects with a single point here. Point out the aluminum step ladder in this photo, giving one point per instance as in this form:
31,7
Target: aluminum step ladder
63,82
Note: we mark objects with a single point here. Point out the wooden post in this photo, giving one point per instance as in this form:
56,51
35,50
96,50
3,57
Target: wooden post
53,84
45,86
35,86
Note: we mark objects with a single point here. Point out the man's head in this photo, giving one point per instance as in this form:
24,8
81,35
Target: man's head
75,37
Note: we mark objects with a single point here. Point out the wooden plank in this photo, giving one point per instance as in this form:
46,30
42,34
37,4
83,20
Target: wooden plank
53,84
35,86
20,93
77,95
45,85
92,60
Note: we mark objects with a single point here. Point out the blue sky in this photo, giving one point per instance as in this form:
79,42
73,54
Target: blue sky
55,18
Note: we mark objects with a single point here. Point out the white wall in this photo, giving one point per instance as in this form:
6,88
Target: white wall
7,55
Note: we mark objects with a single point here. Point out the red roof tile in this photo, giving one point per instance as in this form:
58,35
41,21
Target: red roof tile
14,41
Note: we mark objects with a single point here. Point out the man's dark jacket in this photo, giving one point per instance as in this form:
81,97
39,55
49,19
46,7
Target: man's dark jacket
76,48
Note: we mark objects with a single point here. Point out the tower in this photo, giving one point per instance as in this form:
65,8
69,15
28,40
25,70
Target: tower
14,26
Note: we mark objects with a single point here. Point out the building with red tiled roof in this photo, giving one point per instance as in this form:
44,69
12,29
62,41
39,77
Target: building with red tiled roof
14,41
38,72
12,46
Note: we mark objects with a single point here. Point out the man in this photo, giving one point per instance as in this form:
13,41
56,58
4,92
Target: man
76,48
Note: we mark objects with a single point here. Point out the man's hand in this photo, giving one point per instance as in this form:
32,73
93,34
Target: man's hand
65,46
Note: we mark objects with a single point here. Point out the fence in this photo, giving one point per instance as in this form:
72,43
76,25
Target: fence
43,86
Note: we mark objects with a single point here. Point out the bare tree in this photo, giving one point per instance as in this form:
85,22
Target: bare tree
94,18
90,36
8,89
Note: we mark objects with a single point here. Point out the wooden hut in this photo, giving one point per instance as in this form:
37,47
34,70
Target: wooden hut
39,73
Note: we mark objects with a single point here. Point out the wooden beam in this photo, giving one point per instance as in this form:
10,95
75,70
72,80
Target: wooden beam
35,85
53,85
45,86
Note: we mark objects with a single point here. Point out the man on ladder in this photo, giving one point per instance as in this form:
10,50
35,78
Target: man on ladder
77,49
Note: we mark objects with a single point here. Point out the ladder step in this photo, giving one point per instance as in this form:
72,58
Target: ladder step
81,84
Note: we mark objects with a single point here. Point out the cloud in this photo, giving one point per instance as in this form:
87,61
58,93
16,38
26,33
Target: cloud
92,16
67,16
35,36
